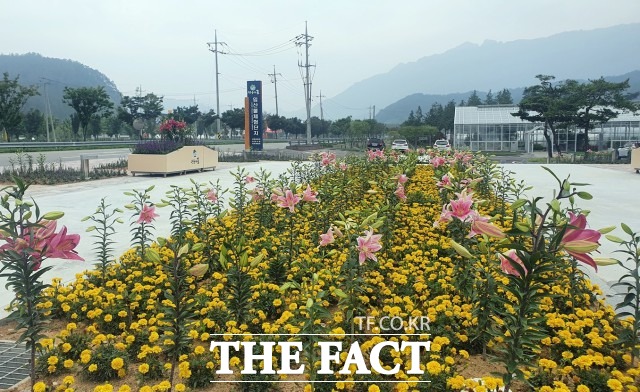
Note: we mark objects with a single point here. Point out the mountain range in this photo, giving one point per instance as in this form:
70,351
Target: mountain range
495,65
54,74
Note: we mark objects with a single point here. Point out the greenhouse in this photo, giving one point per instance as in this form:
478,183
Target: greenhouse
494,128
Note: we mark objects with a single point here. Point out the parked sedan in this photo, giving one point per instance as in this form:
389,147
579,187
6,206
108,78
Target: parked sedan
400,145
442,144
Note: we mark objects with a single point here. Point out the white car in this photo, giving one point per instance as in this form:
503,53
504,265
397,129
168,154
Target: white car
625,151
442,144
400,145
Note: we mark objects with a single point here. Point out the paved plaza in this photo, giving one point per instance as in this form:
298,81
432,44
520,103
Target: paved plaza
615,193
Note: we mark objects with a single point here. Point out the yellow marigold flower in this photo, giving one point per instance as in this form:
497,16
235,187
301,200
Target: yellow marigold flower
434,368
68,363
68,380
204,336
52,360
108,318
117,363
143,368
93,367
52,368
39,387
277,302
373,388
85,356
614,385
464,354
181,388
124,388
582,388
456,382
199,350
66,347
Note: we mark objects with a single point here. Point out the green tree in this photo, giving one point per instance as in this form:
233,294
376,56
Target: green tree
598,102
87,102
489,99
474,100
13,96
33,123
414,133
547,104
145,107
340,127
188,114
412,120
233,118
205,121
504,97
319,127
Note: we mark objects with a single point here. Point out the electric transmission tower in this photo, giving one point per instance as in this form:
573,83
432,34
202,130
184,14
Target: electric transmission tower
305,39
275,85
213,47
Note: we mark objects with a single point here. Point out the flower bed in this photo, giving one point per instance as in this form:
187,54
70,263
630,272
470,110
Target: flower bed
323,251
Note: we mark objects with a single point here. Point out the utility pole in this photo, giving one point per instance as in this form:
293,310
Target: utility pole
275,85
321,112
374,112
46,108
304,39
215,50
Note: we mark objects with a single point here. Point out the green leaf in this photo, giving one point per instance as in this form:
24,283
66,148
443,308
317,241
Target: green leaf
339,293
197,247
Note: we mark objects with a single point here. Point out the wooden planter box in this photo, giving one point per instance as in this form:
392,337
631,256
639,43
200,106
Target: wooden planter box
635,159
188,158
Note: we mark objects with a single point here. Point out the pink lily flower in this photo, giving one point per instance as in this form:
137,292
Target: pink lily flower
61,246
289,200
402,178
327,238
506,260
249,179
257,194
368,245
578,241
212,196
309,195
461,208
445,181
482,226
400,193
148,214
437,161
343,166
328,158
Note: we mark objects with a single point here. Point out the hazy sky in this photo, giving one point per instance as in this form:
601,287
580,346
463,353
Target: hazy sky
161,45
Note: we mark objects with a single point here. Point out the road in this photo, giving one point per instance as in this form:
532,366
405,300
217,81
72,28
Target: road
73,156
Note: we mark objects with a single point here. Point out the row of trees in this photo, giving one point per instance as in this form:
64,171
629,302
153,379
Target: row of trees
95,114
570,103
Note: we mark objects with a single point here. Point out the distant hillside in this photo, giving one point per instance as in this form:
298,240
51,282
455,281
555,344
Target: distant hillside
35,69
495,65
398,112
